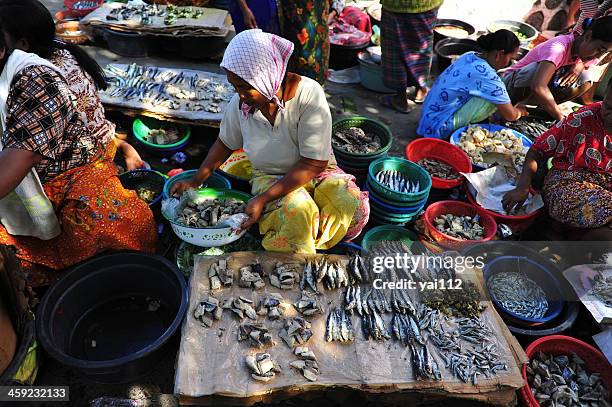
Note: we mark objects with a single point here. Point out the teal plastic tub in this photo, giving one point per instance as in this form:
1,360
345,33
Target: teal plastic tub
370,126
406,168
371,74
143,125
388,233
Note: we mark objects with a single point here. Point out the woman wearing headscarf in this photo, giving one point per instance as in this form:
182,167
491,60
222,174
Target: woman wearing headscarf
303,202
61,201
578,189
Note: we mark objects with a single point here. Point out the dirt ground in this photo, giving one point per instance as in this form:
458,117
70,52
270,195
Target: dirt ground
156,389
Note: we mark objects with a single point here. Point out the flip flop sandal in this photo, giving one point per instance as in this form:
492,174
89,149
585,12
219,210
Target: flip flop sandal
387,101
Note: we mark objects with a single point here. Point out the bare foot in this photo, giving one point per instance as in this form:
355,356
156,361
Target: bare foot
421,94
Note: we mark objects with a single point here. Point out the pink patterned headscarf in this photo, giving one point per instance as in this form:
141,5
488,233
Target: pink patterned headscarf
260,59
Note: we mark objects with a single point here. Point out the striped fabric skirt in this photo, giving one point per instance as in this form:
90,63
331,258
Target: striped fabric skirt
407,48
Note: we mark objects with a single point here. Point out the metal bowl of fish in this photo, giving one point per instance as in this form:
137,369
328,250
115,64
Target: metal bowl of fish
360,140
454,224
161,137
442,160
565,371
399,180
202,218
523,291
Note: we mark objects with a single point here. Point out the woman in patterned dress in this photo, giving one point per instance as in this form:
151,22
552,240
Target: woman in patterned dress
578,189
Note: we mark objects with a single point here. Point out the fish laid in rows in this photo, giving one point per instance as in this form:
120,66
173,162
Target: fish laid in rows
271,306
372,323
331,274
423,364
397,181
352,300
518,293
262,367
339,326
461,227
220,275
438,169
356,141
563,380
358,269
257,334
296,331
210,212
307,364
252,276
208,311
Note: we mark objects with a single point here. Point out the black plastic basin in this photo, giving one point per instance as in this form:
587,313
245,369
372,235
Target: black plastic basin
447,50
111,316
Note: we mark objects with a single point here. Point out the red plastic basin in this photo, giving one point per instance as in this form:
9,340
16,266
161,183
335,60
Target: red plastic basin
82,12
461,209
595,361
517,223
442,151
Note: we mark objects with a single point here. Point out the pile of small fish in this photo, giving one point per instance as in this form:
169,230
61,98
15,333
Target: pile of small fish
563,380
208,311
358,269
251,276
84,5
331,274
476,141
602,288
397,182
355,141
339,327
308,305
271,306
423,364
242,307
296,331
162,88
518,294
460,227
438,169
142,14
530,126
406,329
146,194
220,275
352,299
162,136
285,276
374,305
459,303
262,367
210,212
307,364
256,333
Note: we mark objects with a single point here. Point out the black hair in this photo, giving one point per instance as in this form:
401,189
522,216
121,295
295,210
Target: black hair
500,40
601,28
30,20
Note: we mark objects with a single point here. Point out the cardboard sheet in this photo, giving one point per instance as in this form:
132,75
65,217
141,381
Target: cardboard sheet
200,116
581,279
211,361
213,23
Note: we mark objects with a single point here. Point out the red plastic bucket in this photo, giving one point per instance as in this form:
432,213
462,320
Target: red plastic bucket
594,360
517,223
442,151
461,209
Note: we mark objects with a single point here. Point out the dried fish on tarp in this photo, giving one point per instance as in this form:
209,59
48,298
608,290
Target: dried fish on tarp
358,269
557,380
461,227
208,311
209,212
372,323
356,141
339,326
476,141
333,275
220,275
241,307
518,293
307,364
308,305
423,364
262,367
438,169
252,276
309,276
285,276
271,306
257,334
602,288
352,300
296,331
398,182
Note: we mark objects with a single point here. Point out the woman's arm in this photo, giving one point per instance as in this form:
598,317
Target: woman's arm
15,166
516,198
299,175
217,155
541,92
247,15
511,113
133,161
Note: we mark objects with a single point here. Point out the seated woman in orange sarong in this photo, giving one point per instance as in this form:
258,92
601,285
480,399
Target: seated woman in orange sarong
61,201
